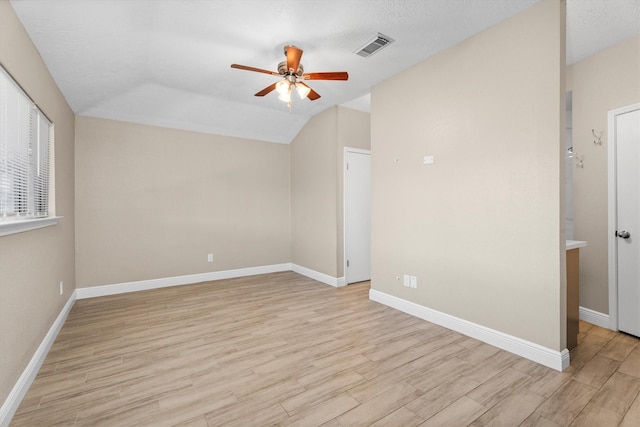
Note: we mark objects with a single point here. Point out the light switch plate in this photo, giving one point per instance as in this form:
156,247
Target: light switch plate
427,160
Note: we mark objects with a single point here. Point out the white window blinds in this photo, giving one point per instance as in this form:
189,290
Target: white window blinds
25,143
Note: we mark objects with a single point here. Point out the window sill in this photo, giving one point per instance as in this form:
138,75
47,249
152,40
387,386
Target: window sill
13,227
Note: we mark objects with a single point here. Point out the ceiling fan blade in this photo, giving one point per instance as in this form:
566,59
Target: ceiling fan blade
257,70
266,90
337,75
293,58
313,95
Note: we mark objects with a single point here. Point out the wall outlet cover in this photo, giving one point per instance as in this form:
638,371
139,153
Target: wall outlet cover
414,282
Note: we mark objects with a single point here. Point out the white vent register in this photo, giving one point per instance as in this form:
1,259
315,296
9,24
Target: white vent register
374,45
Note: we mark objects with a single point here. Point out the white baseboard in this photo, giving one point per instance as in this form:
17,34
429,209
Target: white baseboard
143,285
594,317
10,405
320,277
558,360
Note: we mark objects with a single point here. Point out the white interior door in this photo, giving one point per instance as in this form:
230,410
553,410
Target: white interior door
357,215
627,232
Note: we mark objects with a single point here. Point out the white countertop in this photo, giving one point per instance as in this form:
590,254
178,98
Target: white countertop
575,244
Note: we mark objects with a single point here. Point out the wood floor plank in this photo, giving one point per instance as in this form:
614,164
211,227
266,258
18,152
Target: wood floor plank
406,372
596,416
198,421
460,413
333,386
57,416
400,417
478,354
491,366
440,373
618,393
316,375
186,409
618,348
567,402
438,348
632,417
631,365
581,354
438,398
545,381
597,371
380,406
537,420
267,416
323,412
498,387
512,410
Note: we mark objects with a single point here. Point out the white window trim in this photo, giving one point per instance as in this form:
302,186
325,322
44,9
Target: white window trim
13,227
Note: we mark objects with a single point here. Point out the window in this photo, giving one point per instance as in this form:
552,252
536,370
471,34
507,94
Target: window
26,141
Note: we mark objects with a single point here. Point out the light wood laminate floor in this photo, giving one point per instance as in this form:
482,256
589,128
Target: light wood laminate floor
282,349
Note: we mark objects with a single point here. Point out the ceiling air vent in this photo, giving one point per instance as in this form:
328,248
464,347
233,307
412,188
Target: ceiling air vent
374,45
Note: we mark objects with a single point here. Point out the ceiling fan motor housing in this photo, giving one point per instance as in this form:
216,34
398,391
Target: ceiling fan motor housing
282,69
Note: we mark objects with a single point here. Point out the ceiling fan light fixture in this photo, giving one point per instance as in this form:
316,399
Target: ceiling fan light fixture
283,87
285,97
302,90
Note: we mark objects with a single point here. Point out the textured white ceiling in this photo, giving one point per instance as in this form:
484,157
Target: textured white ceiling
167,63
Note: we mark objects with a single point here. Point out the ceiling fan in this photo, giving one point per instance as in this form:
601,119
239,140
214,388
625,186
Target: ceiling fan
293,75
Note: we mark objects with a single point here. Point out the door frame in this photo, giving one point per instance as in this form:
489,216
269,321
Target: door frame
613,211
344,206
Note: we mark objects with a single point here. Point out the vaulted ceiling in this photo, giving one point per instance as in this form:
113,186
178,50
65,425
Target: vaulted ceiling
167,63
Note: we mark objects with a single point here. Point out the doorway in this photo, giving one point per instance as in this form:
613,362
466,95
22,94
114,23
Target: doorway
357,215
624,219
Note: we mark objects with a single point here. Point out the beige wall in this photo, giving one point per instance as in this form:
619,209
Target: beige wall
314,176
33,263
317,156
605,81
153,202
481,228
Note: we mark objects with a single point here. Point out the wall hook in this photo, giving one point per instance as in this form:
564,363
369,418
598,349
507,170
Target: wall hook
598,139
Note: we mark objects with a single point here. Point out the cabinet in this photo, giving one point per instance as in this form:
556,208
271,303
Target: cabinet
573,291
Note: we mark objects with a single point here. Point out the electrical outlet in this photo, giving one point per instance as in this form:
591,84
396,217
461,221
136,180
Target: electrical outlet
414,282
210,258
61,287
